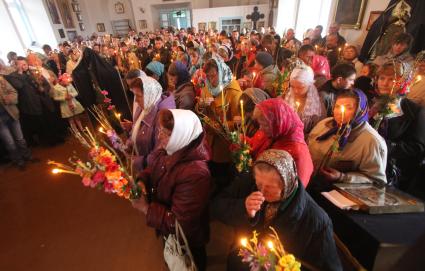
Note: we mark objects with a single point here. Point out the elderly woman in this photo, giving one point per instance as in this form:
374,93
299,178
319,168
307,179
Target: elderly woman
180,85
276,198
220,87
251,97
404,132
149,99
304,98
362,153
281,128
179,181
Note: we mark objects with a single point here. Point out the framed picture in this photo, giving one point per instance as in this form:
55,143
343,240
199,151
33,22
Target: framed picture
349,13
119,7
373,16
53,11
100,27
143,24
82,27
79,16
61,33
72,35
202,26
212,25
66,13
75,7
247,25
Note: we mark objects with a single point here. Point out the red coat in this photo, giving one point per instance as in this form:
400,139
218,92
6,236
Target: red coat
180,187
298,150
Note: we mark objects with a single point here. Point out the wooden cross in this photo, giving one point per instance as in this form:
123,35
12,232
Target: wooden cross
255,16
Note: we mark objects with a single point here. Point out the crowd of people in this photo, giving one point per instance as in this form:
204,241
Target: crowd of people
300,99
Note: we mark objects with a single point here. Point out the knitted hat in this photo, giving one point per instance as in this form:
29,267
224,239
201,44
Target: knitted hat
264,59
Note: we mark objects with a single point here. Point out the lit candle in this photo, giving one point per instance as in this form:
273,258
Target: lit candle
101,130
418,78
58,170
270,245
297,106
316,47
244,242
118,115
243,121
253,78
342,114
222,97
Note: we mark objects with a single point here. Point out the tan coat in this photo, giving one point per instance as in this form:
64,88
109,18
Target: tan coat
232,93
363,159
9,98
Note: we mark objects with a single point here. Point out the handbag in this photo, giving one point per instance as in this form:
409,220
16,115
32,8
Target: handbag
177,256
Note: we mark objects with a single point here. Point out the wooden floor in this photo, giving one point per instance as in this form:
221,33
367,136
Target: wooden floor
53,222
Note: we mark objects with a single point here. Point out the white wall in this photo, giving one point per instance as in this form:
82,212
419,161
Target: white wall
357,37
215,14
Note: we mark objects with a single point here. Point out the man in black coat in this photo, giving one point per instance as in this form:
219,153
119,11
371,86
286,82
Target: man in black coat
276,198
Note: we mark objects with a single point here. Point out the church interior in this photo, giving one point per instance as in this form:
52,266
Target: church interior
212,135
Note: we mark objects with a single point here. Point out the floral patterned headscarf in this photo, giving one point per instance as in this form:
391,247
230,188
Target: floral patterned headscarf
283,162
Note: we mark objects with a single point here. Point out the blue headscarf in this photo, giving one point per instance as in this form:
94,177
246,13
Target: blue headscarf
224,77
360,117
180,69
156,67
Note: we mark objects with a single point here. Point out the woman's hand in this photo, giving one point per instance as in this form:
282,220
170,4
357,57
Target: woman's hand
331,174
253,203
126,124
141,204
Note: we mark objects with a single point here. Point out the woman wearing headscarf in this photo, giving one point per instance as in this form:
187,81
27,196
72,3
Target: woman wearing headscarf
304,98
178,181
276,198
149,99
180,85
281,128
155,69
361,156
251,97
404,132
220,87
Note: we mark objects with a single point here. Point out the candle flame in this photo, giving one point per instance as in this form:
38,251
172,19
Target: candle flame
342,108
270,245
56,171
419,78
101,130
244,242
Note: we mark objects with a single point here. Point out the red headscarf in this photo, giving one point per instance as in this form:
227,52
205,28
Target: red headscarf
284,122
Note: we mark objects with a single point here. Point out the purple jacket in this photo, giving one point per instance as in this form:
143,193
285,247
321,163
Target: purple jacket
148,134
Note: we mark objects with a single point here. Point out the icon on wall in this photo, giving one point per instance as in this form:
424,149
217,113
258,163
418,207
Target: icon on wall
143,24
212,25
202,26
100,27
53,11
82,27
61,33
72,35
119,7
66,14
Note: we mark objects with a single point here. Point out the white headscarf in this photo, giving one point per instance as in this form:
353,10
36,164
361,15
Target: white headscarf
303,74
187,127
152,92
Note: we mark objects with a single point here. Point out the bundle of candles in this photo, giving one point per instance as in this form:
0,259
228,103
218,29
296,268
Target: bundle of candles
268,255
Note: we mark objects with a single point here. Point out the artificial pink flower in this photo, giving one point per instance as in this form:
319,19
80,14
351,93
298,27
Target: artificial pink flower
86,181
107,100
98,178
104,92
111,107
